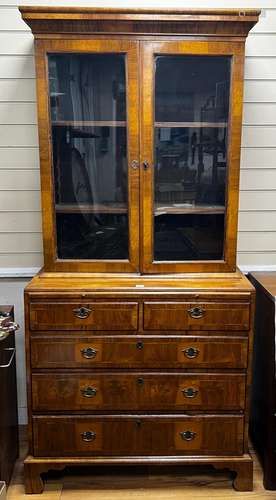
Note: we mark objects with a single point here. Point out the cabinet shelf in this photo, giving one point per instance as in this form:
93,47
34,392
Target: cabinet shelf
94,123
190,124
65,208
176,209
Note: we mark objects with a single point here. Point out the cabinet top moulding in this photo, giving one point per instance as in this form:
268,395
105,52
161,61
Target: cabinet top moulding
76,20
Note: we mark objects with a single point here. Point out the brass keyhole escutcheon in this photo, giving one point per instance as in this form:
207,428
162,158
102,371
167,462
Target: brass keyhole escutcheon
140,381
188,435
89,353
82,312
191,352
140,345
196,312
190,392
88,436
146,165
89,392
135,164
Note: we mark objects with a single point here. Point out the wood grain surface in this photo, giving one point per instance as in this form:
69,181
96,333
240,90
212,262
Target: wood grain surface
139,482
137,391
138,436
221,351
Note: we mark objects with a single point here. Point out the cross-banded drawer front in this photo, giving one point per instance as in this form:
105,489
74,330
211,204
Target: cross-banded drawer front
139,352
136,391
84,316
196,316
138,435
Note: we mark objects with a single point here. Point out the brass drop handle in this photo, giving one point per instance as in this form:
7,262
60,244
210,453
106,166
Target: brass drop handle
140,381
196,312
189,392
89,353
89,392
188,435
88,436
191,352
82,312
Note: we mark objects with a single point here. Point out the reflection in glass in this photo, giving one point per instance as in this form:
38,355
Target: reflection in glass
191,120
88,112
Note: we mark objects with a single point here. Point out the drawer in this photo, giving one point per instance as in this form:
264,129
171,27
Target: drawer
139,352
137,435
89,316
137,391
196,316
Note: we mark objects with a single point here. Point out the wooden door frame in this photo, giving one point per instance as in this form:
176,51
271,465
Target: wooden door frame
131,49
190,47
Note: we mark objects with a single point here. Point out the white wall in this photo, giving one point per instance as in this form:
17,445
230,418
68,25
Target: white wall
20,218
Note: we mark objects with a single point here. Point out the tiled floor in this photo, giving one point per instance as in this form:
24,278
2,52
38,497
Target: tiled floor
131,484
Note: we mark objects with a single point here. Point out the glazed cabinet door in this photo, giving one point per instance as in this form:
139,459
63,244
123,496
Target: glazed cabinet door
88,113
191,124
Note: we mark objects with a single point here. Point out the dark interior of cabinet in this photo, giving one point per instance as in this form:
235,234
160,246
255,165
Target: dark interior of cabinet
88,111
191,122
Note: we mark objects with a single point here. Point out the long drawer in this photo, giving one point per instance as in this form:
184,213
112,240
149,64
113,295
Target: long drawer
137,391
196,316
139,352
79,316
137,435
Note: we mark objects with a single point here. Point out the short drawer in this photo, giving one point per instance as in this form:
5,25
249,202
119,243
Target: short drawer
84,316
196,316
137,391
139,352
138,435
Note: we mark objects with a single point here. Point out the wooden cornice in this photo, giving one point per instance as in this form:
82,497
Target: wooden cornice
88,21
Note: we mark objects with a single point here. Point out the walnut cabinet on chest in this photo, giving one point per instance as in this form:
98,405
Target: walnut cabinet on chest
139,326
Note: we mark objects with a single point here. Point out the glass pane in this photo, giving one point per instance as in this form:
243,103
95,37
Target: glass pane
191,122
89,135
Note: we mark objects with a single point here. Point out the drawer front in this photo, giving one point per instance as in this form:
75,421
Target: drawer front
89,316
137,391
139,352
138,436
196,316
